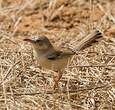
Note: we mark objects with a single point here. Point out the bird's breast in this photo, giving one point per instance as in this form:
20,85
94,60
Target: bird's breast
56,65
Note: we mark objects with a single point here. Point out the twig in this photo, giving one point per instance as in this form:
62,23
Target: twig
9,70
87,66
51,92
4,90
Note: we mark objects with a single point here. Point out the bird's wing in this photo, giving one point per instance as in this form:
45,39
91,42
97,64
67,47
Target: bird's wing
58,55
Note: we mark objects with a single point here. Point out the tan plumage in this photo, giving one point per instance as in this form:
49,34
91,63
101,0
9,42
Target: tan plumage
57,60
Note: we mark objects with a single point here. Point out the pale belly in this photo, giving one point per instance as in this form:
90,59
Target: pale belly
56,65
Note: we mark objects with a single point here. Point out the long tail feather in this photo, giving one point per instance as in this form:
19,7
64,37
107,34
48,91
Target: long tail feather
88,40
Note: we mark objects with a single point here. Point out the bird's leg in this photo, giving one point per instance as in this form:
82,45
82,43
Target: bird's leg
57,76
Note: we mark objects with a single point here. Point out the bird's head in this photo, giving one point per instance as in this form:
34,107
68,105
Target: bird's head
41,43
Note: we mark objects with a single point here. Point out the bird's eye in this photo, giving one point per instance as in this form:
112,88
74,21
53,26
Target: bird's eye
40,43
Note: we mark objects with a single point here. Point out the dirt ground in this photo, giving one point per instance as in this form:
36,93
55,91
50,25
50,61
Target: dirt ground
88,83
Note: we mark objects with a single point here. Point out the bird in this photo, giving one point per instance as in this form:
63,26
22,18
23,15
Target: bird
55,59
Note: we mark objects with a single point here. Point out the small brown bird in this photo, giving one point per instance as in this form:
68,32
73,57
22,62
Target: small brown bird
56,60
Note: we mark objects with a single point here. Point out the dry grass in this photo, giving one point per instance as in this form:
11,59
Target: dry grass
89,80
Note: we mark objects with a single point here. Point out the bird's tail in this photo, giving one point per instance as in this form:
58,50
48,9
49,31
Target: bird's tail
88,40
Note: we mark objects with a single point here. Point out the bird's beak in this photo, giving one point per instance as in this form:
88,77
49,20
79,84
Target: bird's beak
29,40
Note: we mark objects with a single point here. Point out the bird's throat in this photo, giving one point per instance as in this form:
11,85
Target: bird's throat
41,52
